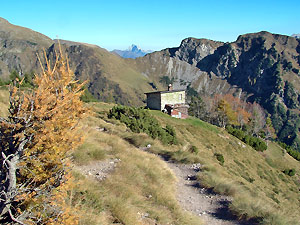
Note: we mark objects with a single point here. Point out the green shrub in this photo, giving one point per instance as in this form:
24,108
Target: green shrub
292,152
27,79
2,82
238,133
140,120
87,96
290,172
255,142
262,134
194,149
229,129
246,139
165,80
171,135
295,70
259,145
220,158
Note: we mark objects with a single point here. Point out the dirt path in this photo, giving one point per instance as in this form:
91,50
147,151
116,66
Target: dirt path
211,207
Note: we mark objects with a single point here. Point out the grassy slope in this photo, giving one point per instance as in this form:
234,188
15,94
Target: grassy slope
23,33
119,71
254,179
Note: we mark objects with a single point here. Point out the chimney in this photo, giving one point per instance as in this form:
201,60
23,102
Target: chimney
170,88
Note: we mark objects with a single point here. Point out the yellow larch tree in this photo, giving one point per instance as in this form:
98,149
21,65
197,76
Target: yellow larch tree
36,142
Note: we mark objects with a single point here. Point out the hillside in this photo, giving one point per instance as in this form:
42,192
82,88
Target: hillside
260,67
18,48
255,180
110,78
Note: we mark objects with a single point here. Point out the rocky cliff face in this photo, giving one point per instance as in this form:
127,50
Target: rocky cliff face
261,67
192,50
182,65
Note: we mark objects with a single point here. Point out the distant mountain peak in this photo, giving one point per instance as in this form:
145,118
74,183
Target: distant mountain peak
296,35
134,48
133,52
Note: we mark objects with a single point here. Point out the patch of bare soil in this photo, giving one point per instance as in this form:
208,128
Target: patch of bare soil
98,170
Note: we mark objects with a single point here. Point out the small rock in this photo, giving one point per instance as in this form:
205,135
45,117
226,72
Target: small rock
145,215
196,167
102,129
202,213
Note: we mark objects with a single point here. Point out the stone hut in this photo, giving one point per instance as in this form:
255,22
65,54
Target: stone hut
170,101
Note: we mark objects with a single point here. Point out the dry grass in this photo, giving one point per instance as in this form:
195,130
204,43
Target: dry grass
4,100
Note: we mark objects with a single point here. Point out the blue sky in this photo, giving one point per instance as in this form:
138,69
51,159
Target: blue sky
152,24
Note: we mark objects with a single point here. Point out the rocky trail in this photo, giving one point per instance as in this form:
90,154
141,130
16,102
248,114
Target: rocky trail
211,207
